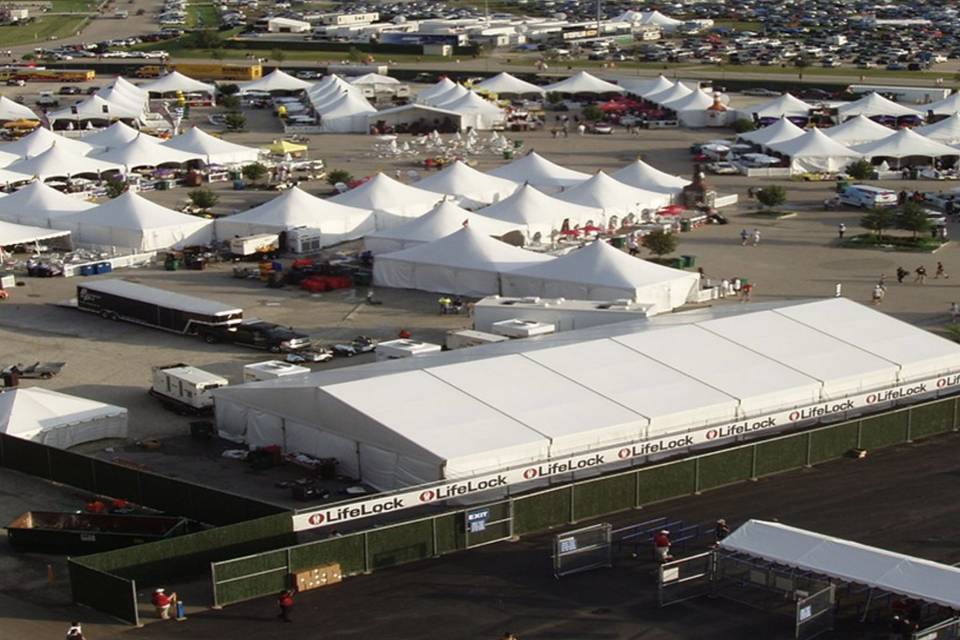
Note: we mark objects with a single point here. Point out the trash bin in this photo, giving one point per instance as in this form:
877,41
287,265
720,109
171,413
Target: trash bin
517,144
618,241
239,185
678,263
689,261
172,264
87,270
162,185
684,224
508,154
103,267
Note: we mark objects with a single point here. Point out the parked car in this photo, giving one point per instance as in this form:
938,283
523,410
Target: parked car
315,354
600,128
360,344
257,334
16,82
722,168
760,91
70,90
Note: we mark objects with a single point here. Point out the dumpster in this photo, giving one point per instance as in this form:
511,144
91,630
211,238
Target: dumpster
689,261
88,270
684,224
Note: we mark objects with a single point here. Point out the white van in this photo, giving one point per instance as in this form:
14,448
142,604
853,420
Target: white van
867,197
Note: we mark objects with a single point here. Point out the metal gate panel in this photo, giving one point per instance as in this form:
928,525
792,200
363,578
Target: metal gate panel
582,549
946,630
815,613
685,578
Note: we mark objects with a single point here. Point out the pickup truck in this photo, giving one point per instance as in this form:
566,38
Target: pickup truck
48,99
257,334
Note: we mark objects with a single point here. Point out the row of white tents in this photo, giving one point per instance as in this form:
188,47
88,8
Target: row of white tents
871,105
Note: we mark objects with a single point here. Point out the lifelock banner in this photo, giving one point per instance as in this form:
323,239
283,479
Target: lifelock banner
339,514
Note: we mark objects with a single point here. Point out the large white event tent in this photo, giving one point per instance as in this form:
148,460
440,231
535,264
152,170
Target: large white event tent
297,208
8,177
874,105
95,111
37,204
12,233
213,150
57,419
454,94
641,175
378,81
506,84
475,112
146,151
469,187
58,162
780,107
116,135
583,82
905,143
693,109
42,139
814,151
130,221
539,214
946,107
613,197
10,110
414,112
484,409
886,571
542,173
436,90
858,130
441,221
946,130
176,81
467,262
125,95
391,201
674,92
780,131
639,86
602,272
276,81
349,113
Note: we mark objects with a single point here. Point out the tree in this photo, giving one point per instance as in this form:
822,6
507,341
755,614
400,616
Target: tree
744,125
660,242
216,54
339,175
205,39
592,113
254,172
116,187
355,55
278,55
229,89
772,196
554,97
860,170
203,198
230,103
235,121
877,221
912,217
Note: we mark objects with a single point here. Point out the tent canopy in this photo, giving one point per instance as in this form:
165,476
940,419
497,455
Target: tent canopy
434,91
467,185
906,143
441,221
10,110
946,107
506,84
455,93
782,106
414,112
946,131
814,151
116,135
536,170
583,82
57,419
176,81
639,86
276,81
212,149
857,130
146,151
391,201
613,197
95,108
849,561
873,104
59,162
40,140
539,213
373,79
11,234
674,92
641,175
347,114
780,131
479,113
37,204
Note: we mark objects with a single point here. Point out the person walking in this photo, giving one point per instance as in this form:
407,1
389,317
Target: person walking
632,245
901,274
841,229
161,602
285,601
756,237
744,237
745,290
940,272
75,632
921,272
581,129
661,546
721,531
877,294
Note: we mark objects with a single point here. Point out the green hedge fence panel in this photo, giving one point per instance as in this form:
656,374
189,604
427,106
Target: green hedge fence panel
254,564
932,419
780,455
400,544
725,468
167,494
450,533
539,512
71,469
102,591
604,496
272,577
829,444
117,481
669,481
348,551
26,456
883,431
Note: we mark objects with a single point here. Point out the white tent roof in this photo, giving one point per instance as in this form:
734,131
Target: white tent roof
123,85
454,94
441,221
677,91
58,419
11,233
42,139
176,81
123,99
641,175
639,86
780,131
11,177
467,185
657,18
347,104
116,135
857,130
536,170
276,80
905,143
214,150
95,108
472,103
58,161
504,83
37,203
946,131
873,104
538,212
10,110
583,82
784,105
373,79
383,194
849,561
946,107
435,90
694,101
813,144
614,197
659,85
146,151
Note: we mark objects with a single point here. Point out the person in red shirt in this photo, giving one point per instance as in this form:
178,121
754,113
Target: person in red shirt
661,546
161,601
286,604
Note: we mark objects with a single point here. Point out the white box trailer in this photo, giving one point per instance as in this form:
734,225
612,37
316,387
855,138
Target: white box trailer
271,370
405,348
471,338
516,328
185,389
251,245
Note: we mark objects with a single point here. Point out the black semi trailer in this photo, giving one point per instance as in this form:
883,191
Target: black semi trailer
122,300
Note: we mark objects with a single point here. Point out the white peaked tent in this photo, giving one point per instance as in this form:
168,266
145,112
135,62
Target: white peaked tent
277,80
814,151
613,197
57,419
413,112
373,79
906,143
131,221
11,233
347,114
639,86
946,107
59,162
780,131
583,82
176,81
469,187
675,92
659,85
7,158
116,135
946,130
126,87
694,109
427,95
539,214
212,149
37,204
297,208
42,139
10,110
124,98
641,175
602,272
476,112
466,262
785,105
664,22
695,100
441,221
454,94
506,84
146,151
94,110
391,201
858,130
536,170
872,105
12,177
